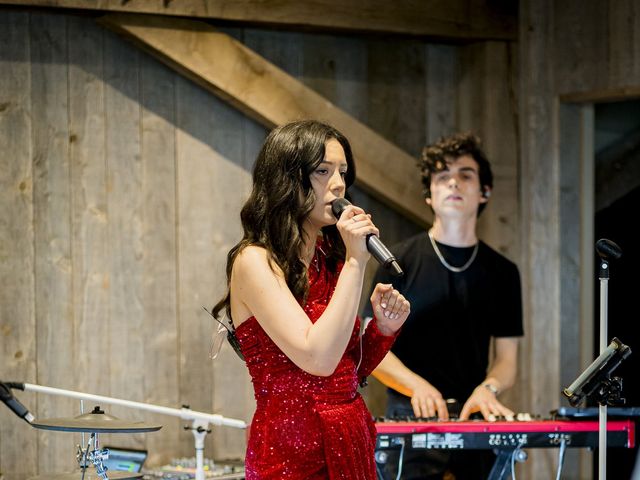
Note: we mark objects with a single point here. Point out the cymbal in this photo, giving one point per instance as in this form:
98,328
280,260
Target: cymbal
95,422
89,475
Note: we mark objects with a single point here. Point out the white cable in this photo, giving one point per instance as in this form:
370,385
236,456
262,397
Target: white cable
513,458
400,461
365,324
563,449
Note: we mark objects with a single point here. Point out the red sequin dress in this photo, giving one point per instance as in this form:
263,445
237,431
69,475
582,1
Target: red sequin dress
305,426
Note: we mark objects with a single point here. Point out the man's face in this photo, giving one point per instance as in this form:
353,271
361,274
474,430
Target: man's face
456,191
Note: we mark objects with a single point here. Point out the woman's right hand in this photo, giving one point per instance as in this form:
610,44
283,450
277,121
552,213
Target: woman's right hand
354,226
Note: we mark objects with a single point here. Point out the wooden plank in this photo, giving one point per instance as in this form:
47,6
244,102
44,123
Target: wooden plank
576,328
336,68
159,276
282,49
52,203
18,446
471,88
580,56
586,221
570,209
540,265
443,19
211,172
396,89
259,89
127,339
89,220
232,388
623,42
487,107
441,79
212,185
195,172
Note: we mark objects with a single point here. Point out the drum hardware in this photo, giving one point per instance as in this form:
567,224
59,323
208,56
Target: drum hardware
92,456
97,456
106,424
97,421
87,476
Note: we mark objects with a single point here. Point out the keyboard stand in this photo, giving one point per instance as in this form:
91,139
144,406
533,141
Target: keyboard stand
502,467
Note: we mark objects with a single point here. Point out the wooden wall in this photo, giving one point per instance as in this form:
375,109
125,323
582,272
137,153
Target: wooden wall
117,175
120,188
570,47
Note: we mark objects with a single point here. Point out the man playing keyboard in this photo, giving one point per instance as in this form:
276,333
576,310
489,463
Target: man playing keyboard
464,295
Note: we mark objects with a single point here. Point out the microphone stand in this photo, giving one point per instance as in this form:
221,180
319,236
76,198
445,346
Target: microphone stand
200,420
602,406
606,250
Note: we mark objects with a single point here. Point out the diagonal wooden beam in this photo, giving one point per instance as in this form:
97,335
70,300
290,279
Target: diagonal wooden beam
461,20
618,169
259,89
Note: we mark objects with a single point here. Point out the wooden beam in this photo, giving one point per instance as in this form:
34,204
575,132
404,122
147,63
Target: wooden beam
617,169
259,89
469,20
619,94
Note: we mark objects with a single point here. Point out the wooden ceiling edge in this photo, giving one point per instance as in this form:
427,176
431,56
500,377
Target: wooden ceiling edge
617,94
398,200
438,30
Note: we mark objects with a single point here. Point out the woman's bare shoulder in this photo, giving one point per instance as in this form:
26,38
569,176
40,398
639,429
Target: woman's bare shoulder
254,259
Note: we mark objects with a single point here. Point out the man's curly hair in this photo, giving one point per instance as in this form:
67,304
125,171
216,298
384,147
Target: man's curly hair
434,160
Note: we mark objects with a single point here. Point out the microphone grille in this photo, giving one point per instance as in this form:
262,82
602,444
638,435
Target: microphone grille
608,250
338,206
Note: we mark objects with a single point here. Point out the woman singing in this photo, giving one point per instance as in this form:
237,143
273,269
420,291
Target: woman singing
295,281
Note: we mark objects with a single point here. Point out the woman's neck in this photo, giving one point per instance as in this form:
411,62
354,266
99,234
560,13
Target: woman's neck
311,233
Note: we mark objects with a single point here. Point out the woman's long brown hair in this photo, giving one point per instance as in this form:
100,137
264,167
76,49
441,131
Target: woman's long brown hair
282,199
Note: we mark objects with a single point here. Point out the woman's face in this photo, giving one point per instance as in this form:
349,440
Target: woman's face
328,183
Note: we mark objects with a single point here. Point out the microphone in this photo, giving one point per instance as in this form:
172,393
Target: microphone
374,244
14,405
608,250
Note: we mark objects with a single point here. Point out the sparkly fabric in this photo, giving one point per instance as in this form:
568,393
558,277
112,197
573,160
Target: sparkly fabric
305,426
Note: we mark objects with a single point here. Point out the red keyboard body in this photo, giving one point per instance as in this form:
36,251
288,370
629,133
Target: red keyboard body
489,435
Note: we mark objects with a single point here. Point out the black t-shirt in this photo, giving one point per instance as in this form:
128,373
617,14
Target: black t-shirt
453,316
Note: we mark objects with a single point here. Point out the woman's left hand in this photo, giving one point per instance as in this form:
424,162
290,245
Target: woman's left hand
390,308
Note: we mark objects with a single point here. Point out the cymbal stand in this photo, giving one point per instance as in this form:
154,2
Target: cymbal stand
96,456
199,428
200,420
81,454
